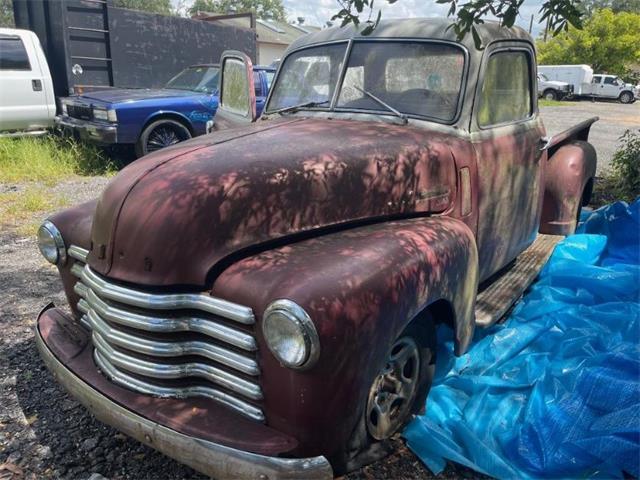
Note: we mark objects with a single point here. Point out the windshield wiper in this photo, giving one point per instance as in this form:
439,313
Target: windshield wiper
294,108
397,113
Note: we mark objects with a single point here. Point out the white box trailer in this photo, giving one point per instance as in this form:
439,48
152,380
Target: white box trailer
587,84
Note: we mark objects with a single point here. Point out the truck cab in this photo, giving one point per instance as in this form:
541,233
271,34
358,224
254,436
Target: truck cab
612,86
27,102
272,313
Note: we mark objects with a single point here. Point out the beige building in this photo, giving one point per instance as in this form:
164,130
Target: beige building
272,36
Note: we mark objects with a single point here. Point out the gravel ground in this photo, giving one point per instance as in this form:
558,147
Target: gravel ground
615,118
46,434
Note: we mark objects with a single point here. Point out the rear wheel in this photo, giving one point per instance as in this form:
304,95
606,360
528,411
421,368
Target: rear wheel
398,391
550,95
626,97
160,134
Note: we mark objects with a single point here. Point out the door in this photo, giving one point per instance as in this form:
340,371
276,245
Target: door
507,134
610,87
23,102
237,105
595,85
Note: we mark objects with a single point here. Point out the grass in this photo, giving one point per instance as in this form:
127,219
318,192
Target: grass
49,159
554,103
18,208
29,165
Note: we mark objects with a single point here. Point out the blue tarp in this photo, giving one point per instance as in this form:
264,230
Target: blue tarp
553,392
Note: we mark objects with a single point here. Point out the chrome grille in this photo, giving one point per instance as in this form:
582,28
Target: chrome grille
135,338
83,112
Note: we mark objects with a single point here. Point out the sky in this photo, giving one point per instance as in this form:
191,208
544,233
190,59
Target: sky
318,12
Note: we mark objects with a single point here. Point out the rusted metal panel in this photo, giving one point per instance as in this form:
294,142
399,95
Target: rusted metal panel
361,287
316,174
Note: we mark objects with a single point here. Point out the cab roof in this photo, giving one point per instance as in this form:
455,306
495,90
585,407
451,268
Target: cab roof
419,28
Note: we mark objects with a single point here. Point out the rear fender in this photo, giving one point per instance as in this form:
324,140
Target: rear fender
567,174
361,287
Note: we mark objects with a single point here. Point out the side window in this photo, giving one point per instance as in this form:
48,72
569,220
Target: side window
269,77
13,55
610,81
506,91
596,79
257,83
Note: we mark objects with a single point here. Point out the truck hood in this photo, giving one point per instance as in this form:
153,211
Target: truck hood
127,95
171,217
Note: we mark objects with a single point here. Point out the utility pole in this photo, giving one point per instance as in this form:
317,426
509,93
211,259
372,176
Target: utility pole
531,24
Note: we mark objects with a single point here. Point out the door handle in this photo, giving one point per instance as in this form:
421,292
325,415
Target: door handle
36,85
544,143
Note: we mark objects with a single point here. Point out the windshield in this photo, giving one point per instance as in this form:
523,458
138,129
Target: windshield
420,79
543,77
197,79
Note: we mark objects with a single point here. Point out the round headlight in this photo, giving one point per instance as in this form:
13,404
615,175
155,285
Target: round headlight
51,244
290,334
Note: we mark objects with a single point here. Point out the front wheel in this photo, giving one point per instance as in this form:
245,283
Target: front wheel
550,95
398,391
160,134
626,97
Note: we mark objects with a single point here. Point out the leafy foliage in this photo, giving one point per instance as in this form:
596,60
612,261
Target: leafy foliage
617,6
626,166
151,6
266,9
6,14
609,42
558,14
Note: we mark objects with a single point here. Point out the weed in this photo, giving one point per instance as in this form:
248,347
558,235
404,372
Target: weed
49,159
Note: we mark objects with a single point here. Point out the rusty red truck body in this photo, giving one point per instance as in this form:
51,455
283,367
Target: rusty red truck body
262,301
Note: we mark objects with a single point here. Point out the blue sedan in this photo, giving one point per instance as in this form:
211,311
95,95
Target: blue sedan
152,119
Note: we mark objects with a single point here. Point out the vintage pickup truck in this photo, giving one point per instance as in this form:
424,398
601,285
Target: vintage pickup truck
272,313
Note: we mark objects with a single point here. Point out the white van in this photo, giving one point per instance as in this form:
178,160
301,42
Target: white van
586,84
27,101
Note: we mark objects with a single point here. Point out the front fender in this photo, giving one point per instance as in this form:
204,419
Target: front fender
567,174
361,287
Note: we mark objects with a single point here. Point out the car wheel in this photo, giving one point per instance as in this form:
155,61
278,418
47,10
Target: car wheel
626,97
398,391
550,95
160,134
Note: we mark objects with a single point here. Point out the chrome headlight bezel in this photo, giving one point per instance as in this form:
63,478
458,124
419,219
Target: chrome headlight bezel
287,311
51,244
100,113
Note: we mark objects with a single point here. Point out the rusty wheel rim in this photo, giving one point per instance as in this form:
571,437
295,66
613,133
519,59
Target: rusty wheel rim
393,390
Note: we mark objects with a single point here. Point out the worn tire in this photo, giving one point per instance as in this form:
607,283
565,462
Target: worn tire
626,97
159,132
363,446
550,94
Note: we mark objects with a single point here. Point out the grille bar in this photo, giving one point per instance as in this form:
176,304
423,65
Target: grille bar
121,378
170,371
171,349
165,324
134,348
197,301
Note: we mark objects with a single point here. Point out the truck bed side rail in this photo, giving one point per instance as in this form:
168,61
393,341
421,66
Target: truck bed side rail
577,132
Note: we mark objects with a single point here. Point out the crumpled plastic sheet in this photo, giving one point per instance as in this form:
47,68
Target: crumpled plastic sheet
554,392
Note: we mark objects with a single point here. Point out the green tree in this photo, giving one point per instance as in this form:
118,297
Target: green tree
267,9
609,42
617,6
557,14
6,14
151,6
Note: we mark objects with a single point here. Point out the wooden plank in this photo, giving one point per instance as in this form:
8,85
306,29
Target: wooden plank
494,301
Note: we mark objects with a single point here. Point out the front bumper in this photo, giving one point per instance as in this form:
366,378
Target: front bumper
94,132
215,460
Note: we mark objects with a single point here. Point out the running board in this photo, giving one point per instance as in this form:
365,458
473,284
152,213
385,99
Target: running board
496,299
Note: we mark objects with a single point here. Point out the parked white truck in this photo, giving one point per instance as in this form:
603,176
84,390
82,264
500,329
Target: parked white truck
553,89
27,101
586,84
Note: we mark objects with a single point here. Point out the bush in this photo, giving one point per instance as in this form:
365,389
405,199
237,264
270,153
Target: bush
622,182
49,159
